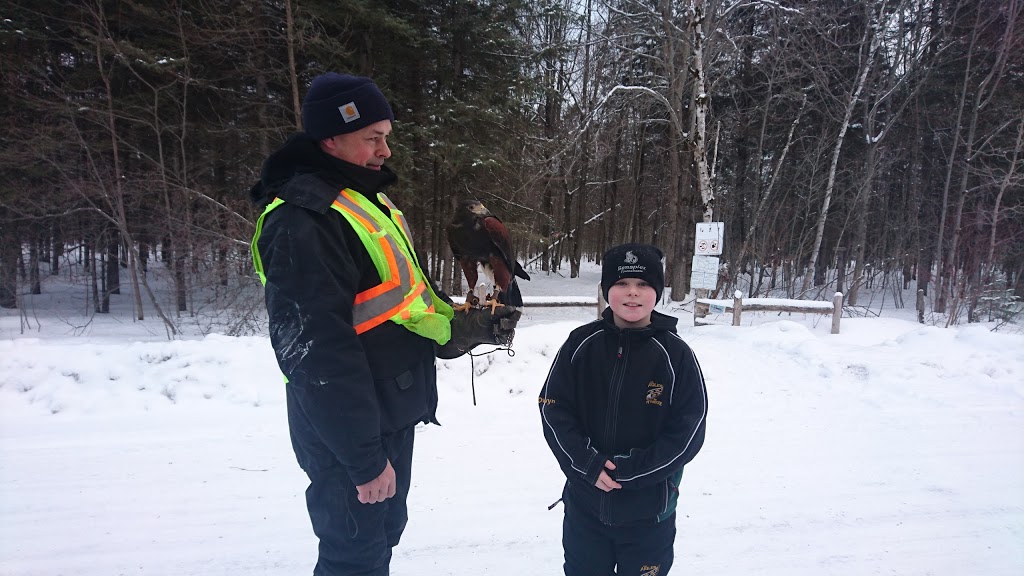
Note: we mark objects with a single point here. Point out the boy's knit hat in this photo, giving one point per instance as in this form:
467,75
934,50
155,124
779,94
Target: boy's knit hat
633,261
341,103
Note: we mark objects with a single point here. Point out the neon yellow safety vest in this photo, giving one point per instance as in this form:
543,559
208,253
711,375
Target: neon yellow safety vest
403,296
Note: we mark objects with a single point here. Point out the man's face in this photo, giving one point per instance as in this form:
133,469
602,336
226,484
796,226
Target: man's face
367,147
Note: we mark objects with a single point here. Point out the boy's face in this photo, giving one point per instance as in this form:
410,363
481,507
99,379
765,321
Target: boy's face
632,300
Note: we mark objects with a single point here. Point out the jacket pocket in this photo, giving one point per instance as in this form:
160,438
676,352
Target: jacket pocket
402,400
645,505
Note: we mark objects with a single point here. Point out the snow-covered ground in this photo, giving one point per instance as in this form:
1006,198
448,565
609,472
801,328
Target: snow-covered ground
891,448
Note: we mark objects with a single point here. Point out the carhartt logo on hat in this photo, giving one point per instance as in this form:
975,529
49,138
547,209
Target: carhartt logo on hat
341,104
349,112
630,257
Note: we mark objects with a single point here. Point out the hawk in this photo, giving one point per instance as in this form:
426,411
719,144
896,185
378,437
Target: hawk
477,237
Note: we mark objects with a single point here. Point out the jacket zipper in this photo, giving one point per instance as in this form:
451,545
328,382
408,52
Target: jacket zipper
610,421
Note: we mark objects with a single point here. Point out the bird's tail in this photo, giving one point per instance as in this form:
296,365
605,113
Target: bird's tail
520,272
512,296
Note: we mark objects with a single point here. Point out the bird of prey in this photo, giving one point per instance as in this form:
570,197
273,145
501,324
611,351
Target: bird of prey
477,237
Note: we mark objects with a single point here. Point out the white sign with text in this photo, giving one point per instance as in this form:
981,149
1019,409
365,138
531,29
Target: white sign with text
709,238
704,273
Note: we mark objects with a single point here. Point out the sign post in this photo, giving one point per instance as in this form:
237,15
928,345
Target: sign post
704,272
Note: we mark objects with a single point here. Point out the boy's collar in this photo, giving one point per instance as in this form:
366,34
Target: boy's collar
659,321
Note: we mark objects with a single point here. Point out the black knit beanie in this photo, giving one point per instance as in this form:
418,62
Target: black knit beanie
341,103
633,261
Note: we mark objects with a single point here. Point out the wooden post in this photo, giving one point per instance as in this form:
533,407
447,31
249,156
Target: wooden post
920,305
837,311
601,304
737,307
699,310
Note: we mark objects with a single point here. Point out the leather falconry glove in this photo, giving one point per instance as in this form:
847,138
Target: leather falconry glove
480,326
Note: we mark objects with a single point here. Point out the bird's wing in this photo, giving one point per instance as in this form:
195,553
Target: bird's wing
454,230
499,237
457,233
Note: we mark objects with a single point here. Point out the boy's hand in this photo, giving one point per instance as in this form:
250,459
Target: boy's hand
604,481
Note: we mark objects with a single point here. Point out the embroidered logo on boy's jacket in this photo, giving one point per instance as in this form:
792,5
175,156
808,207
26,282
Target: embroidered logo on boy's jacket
545,401
654,390
349,112
650,570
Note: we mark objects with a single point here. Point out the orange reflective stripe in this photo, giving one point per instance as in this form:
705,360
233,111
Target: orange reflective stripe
401,221
385,316
396,214
366,223
402,279
394,282
376,291
393,262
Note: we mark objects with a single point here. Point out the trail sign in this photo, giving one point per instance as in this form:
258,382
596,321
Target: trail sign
709,238
704,273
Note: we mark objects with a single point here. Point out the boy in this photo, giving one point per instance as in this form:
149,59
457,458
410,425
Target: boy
623,410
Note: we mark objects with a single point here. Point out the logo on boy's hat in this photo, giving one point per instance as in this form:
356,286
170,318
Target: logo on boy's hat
630,264
633,260
349,112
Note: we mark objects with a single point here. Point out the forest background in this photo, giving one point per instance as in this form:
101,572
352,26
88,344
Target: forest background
842,142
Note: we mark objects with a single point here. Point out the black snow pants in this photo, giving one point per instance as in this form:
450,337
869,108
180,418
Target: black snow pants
355,538
593,548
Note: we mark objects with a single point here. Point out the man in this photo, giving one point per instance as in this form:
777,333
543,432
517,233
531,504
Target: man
354,321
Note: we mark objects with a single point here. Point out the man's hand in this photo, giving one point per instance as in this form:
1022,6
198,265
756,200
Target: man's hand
380,488
604,481
480,326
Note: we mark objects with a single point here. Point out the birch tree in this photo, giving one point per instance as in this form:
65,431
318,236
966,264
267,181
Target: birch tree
868,46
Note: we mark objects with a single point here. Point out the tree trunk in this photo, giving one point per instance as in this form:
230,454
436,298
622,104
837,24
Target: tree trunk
117,188
762,202
293,75
575,256
104,275
10,247
851,103
56,249
981,98
701,104
940,256
112,280
860,237
180,293
990,264
676,60
33,264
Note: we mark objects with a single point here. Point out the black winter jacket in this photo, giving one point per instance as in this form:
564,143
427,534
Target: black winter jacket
352,388
635,397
